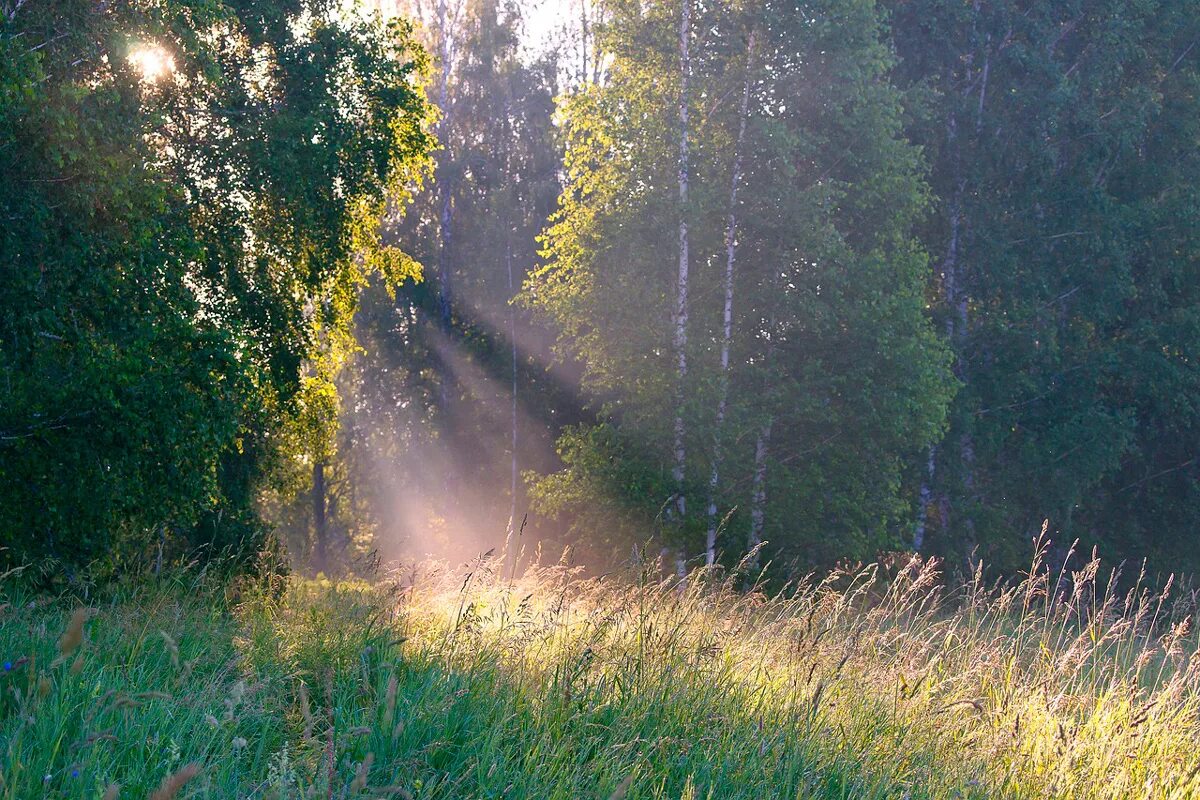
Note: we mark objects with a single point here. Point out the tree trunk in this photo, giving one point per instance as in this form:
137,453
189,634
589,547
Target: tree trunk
681,289
583,42
320,523
923,500
445,215
758,493
445,200
512,339
957,331
714,480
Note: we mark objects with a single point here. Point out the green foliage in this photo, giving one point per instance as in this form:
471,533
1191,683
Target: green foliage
423,451
1062,140
175,248
607,494
831,341
197,195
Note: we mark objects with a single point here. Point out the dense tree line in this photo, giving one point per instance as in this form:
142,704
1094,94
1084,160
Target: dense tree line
850,277
839,276
784,352
1062,146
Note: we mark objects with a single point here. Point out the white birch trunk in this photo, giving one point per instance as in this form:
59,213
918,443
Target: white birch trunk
445,214
714,480
681,289
957,327
583,42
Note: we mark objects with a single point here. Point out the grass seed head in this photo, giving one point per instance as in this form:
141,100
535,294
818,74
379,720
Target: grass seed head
170,786
360,777
73,636
622,788
172,648
389,708
306,711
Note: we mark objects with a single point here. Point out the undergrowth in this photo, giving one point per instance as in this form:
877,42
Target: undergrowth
481,684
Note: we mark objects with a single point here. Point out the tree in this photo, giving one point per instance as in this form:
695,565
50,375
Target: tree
191,196
1061,140
468,398
830,347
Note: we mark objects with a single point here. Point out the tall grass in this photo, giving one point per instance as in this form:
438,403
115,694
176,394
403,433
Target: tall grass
444,684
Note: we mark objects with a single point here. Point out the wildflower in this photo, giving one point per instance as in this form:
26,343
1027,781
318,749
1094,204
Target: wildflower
239,743
8,666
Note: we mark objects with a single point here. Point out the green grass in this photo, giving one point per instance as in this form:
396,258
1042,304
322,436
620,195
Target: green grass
552,686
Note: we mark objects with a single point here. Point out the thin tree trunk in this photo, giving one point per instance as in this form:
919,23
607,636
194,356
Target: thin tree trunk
583,42
445,230
951,288
445,215
320,524
957,331
924,499
714,480
758,493
512,338
681,293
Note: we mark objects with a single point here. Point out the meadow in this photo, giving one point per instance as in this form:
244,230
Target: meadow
483,683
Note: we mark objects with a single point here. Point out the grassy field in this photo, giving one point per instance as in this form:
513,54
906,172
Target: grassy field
473,684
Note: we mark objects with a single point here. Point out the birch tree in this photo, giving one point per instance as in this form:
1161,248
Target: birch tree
714,481
190,206
471,400
680,316
810,232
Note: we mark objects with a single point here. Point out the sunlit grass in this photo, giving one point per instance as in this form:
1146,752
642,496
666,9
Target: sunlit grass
439,685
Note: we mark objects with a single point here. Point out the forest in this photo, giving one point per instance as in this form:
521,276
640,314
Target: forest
832,280
331,329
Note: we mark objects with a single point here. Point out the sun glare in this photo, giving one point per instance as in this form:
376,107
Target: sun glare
153,61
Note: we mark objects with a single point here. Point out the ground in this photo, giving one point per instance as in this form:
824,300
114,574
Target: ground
435,683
